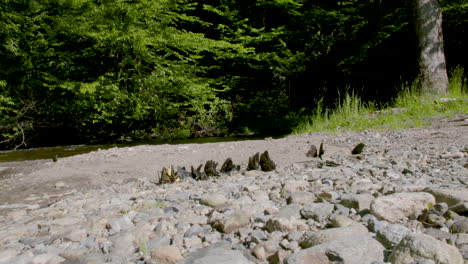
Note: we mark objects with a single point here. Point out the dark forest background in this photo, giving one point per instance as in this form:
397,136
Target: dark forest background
86,71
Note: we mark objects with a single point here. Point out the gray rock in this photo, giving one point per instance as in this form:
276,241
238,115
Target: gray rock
435,220
159,242
340,210
341,221
460,239
390,235
256,236
357,249
317,211
252,173
178,196
288,211
460,226
196,230
218,253
166,254
47,258
440,208
294,185
301,197
439,234
421,247
399,206
464,251
357,201
123,245
231,222
7,255
213,199
192,242
453,198
284,224
331,234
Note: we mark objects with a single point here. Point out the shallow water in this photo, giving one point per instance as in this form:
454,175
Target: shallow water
67,151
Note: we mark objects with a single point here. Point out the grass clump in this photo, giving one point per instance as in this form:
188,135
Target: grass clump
409,109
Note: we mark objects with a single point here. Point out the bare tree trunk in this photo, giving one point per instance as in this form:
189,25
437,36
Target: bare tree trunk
433,75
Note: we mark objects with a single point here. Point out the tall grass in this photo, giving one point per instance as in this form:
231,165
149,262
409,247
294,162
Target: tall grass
409,109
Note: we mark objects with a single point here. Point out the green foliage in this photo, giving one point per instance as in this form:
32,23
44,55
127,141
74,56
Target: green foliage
410,109
99,70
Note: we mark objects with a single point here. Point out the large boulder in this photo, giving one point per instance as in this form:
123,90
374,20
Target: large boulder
218,253
399,206
457,200
358,249
333,234
416,248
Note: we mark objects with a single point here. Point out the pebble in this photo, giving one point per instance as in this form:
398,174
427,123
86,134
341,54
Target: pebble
400,202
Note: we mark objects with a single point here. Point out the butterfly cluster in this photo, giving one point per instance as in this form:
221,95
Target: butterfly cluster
257,161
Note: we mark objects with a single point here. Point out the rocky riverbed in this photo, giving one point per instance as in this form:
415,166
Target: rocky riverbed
404,199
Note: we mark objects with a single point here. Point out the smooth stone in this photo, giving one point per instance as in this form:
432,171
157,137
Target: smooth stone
123,245
159,242
196,230
331,234
451,197
257,236
460,226
231,222
59,184
192,242
283,224
317,211
357,249
439,234
259,196
76,235
259,253
357,201
220,252
399,206
47,258
252,173
460,239
421,247
290,211
341,221
294,185
213,199
301,197
7,255
464,251
166,254
66,221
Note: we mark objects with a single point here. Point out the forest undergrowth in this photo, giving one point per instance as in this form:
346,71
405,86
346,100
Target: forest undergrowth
409,109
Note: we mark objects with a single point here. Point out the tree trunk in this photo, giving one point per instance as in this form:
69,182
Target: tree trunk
433,71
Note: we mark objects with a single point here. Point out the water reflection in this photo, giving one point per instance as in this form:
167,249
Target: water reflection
67,151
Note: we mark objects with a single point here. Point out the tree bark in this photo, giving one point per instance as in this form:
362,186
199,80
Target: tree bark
433,70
